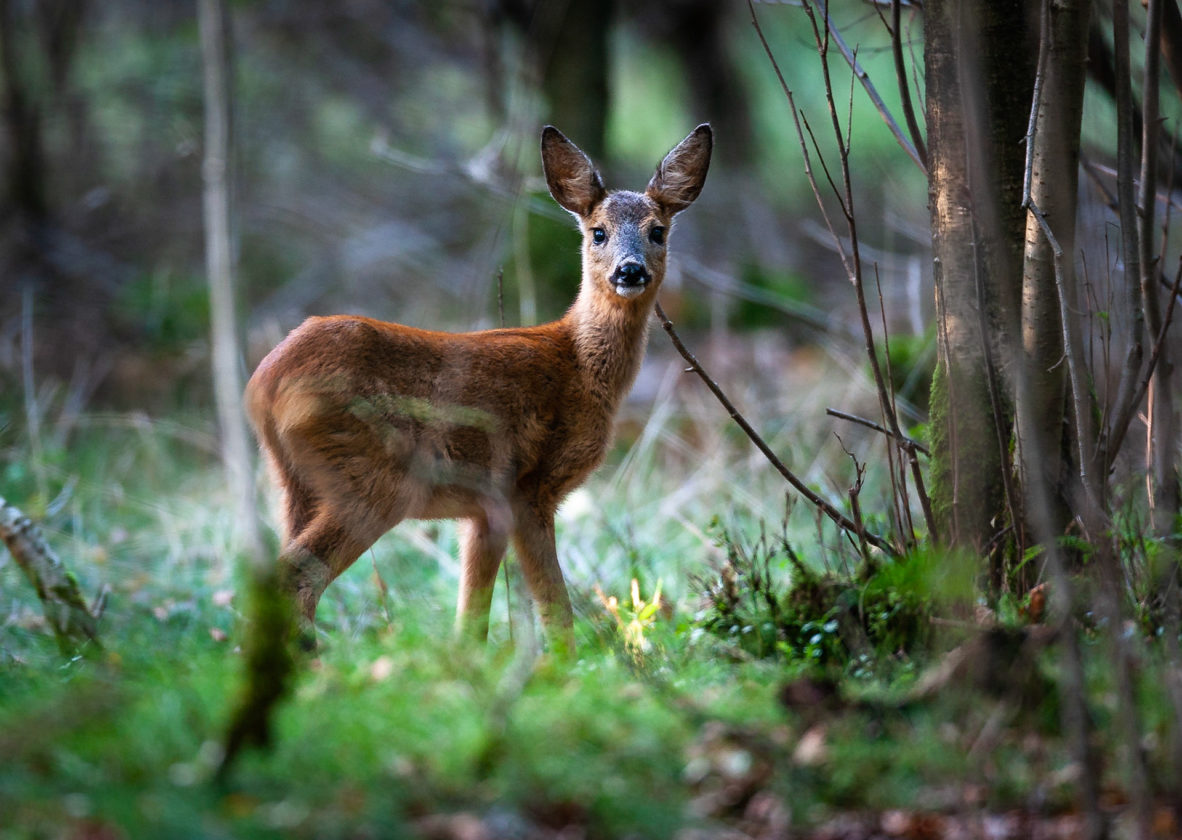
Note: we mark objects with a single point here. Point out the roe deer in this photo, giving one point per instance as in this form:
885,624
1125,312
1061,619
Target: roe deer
366,423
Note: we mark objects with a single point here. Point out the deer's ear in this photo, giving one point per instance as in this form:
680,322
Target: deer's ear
679,178
570,175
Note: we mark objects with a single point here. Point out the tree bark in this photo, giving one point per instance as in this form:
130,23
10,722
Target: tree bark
1049,286
979,70
1161,444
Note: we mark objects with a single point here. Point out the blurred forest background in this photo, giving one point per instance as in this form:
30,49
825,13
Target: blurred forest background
748,670
387,163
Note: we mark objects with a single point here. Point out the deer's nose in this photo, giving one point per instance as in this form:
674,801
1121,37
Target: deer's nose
631,274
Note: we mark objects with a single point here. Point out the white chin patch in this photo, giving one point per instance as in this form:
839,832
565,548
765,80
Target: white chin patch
630,291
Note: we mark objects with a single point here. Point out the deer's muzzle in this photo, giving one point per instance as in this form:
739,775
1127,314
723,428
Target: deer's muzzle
630,279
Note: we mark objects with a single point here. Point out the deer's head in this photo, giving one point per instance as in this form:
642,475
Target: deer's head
625,233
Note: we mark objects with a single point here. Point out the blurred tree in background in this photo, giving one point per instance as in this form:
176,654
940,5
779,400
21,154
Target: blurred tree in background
383,149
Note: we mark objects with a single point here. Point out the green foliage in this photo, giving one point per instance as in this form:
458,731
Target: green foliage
912,360
397,725
166,311
768,602
772,292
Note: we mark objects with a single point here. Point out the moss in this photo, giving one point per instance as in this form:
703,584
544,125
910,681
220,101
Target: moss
967,492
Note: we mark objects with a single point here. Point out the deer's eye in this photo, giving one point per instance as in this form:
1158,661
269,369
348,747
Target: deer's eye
657,236
598,236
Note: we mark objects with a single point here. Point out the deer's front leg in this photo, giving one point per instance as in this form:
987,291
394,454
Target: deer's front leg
533,537
482,546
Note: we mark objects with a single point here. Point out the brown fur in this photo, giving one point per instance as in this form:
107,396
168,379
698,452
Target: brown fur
366,423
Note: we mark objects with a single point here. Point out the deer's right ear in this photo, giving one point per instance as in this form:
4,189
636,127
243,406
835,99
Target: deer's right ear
570,175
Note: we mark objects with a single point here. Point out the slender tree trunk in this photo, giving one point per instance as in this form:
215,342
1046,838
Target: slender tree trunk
1049,287
567,47
1162,444
217,169
26,205
267,659
979,70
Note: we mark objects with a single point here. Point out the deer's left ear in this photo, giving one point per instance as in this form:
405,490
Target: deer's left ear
679,178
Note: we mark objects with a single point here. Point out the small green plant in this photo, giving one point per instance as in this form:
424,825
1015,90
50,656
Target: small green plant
767,602
633,622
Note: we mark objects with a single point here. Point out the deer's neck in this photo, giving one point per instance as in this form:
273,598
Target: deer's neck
609,339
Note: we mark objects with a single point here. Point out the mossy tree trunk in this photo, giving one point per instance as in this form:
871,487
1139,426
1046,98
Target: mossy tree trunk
979,65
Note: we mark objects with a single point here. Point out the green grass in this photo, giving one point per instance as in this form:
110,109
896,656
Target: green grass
397,724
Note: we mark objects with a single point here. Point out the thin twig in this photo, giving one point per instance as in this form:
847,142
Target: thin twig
501,296
1090,478
840,519
855,494
846,196
1117,433
897,473
851,59
800,135
905,88
904,441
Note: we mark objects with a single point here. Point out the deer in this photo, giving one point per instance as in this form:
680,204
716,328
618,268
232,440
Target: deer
365,423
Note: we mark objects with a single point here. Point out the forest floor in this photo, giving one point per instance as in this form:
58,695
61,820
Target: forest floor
773,690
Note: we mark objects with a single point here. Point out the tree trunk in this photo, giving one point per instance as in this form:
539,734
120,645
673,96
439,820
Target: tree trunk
217,168
268,662
567,46
979,69
1162,444
26,205
1049,288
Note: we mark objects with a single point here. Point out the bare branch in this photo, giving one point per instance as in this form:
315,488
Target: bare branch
906,442
851,262
800,134
838,518
1121,425
71,621
905,88
856,277
871,91
1091,479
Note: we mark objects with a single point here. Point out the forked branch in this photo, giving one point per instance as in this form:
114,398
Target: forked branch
918,157
840,519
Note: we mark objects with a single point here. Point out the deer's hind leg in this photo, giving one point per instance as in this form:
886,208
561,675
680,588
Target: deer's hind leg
332,515
483,540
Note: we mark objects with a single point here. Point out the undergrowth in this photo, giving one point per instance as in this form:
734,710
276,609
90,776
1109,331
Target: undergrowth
728,679
766,601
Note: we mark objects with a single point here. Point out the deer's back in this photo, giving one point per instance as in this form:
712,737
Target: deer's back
459,415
